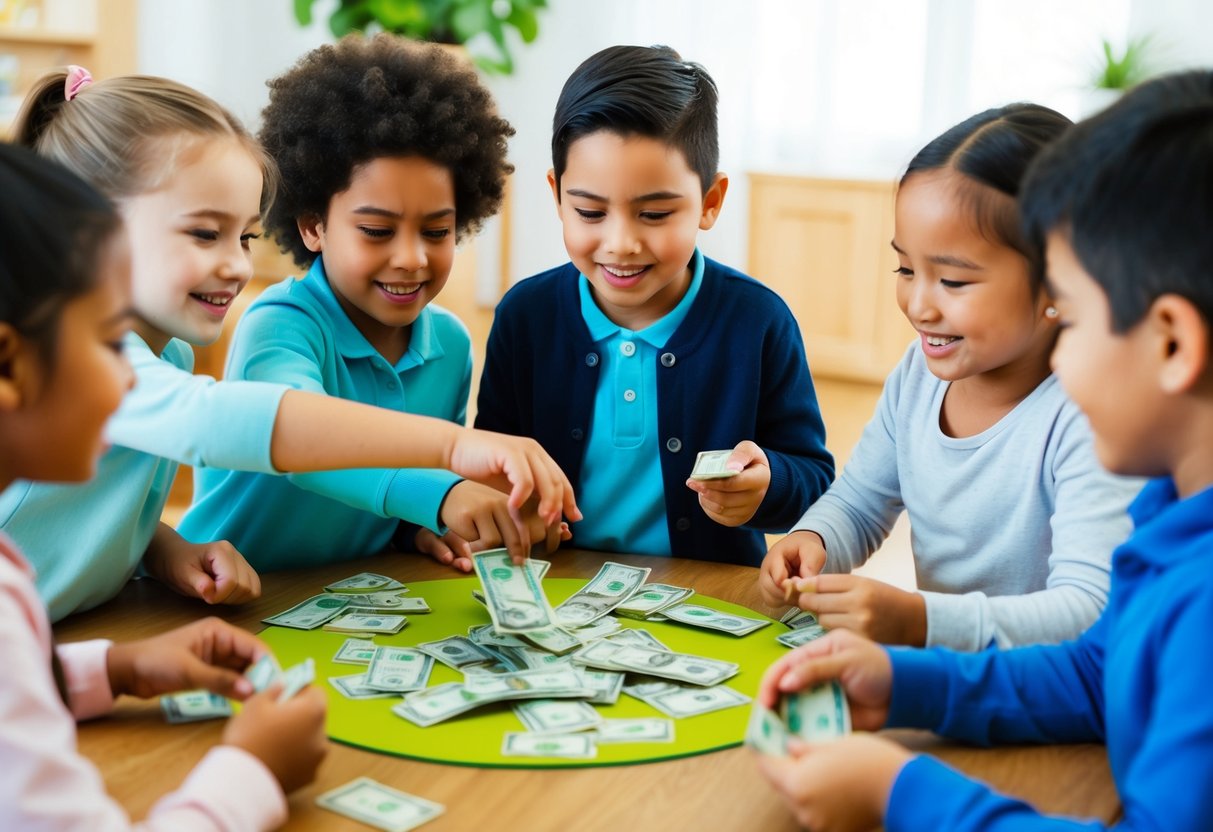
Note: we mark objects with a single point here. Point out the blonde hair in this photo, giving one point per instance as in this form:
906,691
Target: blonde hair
124,134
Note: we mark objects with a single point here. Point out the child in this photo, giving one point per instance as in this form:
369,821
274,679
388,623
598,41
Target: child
641,352
1013,521
389,150
188,180
1123,204
64,274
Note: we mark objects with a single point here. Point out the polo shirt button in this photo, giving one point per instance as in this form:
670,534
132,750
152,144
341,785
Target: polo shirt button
591,359
673,444
578,434
629,395
667,359
627,348
682,524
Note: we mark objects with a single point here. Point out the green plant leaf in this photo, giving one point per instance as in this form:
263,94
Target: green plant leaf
404,16
303,12
472,17
523,19
350,17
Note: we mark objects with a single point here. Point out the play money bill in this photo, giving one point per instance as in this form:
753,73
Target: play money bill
710,619
309,614
514,595
399,670
652,598
709,465
194,706
614,583
378,805
365,582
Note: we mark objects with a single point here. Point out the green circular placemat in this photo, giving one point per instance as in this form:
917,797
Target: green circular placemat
475,738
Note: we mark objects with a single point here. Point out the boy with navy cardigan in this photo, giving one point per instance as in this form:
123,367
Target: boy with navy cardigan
1122,205
641,352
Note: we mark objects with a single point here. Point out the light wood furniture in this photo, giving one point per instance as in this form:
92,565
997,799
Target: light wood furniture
141,757
823,245
99,35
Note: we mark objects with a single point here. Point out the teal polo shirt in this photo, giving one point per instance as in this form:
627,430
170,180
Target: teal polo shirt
622,495
297,334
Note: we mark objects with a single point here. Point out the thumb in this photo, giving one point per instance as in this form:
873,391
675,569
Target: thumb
744,455
219,680
200,583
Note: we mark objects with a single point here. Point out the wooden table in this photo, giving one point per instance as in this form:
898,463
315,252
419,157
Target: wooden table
142,757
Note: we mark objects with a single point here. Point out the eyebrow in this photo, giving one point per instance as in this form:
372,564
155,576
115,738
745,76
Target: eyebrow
373,211
943,259
221,216
653,197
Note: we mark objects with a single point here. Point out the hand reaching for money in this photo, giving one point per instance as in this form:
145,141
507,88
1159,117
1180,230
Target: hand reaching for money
732,501
799,555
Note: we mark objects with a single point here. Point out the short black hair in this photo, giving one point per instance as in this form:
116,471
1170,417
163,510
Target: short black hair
54,225
1132,189
346,104
993,150
640,91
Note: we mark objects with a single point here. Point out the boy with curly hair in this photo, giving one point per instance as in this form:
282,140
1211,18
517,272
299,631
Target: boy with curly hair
640,352
389,152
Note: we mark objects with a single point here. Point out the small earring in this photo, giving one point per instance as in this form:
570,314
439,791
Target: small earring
1051,312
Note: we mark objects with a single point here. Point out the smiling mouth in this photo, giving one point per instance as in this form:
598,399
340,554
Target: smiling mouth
213,300
399,289
941,340
624,272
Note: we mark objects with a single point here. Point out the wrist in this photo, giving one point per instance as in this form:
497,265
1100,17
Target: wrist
915,630
119,669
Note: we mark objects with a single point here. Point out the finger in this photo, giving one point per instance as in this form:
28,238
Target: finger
515,535
553,537
439,551
565,532
203,585
822,669
462,564
220,680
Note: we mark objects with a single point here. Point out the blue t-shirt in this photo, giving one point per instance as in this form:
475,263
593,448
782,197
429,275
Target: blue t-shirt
623,495
296,333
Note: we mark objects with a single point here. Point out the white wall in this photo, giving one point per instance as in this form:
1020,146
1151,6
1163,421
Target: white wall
847,88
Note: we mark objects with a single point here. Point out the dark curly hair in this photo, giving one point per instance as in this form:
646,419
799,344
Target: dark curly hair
348,103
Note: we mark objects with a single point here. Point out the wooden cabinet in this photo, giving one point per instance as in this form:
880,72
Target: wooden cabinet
823,245
37,35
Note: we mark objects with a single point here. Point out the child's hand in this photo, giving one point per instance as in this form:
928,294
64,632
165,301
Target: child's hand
449,550
209,654
862,668
734,500
287,736
518,466
869,607
214,572
836,786
798,555
479,518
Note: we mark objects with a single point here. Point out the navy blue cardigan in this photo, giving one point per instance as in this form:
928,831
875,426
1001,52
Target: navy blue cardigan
734,369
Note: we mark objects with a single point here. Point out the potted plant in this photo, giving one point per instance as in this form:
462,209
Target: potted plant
1116,71
439,21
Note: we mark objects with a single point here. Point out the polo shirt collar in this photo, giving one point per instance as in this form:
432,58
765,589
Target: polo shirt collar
655,334
350,342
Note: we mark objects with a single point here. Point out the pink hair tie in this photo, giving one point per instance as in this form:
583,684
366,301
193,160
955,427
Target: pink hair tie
77,79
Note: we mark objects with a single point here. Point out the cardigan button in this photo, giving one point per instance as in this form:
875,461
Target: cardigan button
673,444
591,359
667,359
682,524
578,434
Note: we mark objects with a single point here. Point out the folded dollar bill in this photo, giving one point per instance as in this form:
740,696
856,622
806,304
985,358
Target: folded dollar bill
710,465
194,706
380,806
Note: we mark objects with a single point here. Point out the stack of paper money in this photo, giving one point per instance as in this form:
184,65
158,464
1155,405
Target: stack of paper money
354,622
678,667
614,584
709,465
194,706
378,805
652,598
820,714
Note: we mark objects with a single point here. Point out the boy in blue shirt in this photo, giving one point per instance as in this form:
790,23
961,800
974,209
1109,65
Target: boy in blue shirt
1121,205
641,352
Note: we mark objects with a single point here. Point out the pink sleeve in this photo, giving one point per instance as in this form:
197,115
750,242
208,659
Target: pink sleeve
88,683
47,785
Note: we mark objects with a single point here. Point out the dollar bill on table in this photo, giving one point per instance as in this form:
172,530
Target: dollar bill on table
456,651
614,584
651,598
804,635
194,706
309,614
601,627
637,637
710,465
557,683
554,640
380,806
514,596
606,684
710,619
399,670
380,603
664,664
365,582
263,672
571,746
296,678
556,716
690,701
645,729
354,687
355,651
383,623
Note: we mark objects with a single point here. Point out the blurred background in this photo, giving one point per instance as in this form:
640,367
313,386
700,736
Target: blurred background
822,103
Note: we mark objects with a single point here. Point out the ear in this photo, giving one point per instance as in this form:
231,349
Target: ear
555,188
1181,337
311,229
13,368
713,199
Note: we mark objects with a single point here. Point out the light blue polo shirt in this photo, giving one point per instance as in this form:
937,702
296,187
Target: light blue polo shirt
622,494
296,333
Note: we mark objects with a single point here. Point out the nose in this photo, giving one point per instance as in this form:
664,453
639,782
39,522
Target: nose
920,304
620,238
237,263
409,254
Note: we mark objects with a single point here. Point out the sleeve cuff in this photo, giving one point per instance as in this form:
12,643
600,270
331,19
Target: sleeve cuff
918,697
87,677
416,496
956,621
234,788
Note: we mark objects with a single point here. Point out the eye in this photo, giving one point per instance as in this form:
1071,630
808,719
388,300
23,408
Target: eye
654,216
904,271
375,233
436,233
206,235
245,239
953,284
588,215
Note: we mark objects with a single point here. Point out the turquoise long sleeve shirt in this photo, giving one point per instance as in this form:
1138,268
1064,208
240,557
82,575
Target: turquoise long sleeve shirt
297,334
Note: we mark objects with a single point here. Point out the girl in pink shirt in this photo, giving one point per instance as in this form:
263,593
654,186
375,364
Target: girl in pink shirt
64,309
